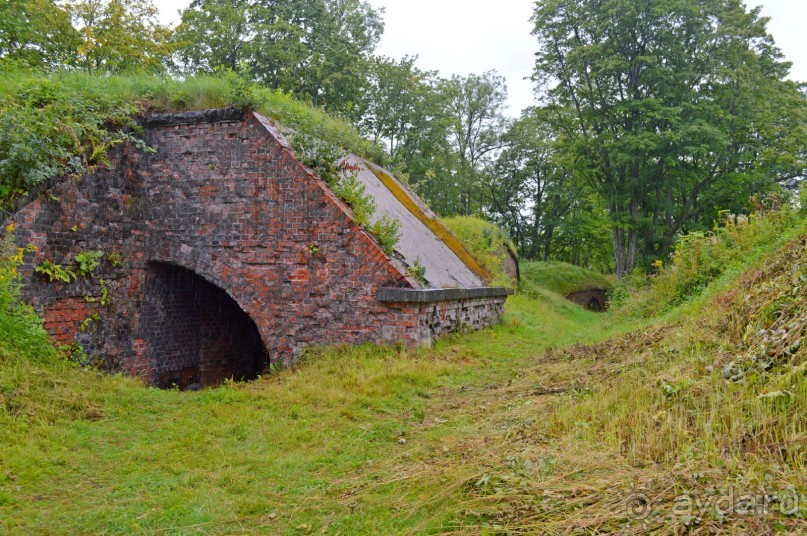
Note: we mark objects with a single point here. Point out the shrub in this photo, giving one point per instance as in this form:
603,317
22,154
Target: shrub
699,258
21,331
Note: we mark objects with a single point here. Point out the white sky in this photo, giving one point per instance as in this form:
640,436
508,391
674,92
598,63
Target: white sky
474,36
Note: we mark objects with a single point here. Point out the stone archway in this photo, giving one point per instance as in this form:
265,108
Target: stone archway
195,333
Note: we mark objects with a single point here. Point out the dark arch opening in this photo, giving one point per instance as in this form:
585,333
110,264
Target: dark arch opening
594,305
195,334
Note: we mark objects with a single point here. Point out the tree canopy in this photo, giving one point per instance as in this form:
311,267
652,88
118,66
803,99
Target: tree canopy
671,110
651,116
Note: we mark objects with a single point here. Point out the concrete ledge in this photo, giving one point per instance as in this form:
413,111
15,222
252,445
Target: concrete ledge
213,115
410,295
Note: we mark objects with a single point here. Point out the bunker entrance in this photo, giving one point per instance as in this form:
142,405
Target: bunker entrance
195,333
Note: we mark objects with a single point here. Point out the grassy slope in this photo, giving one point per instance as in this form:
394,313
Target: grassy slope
487,242
485,431
163,94
84,452
560,277
55,123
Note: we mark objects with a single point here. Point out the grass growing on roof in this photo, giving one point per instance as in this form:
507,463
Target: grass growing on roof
65,122
487,242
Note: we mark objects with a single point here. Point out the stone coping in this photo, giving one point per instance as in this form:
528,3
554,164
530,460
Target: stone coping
430,295
212,115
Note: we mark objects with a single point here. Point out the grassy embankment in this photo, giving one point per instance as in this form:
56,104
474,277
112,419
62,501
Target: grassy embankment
485,431
65,122
537,425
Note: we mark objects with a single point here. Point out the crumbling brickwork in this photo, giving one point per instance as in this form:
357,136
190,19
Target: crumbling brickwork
225,201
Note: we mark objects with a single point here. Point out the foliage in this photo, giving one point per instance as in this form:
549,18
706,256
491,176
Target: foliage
316,50
352,192
56,272
418,271
406,109
64,123
534,191
87,262
21,334
488,243
330,163
53,125
120,36
699,258
475,104
110,36
670,110
387,231
36,34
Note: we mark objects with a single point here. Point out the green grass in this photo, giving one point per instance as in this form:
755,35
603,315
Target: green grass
548,423
487,242
560,277
165,94
295,448
65,122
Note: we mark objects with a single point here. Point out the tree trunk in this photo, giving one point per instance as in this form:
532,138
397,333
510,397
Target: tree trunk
624,238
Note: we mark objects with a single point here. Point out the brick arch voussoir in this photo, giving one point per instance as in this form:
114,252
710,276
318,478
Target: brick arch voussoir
224,276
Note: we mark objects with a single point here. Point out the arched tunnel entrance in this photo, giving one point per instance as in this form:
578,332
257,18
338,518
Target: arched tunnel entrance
194,332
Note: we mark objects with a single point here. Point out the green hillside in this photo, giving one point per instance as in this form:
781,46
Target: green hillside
558,420
560,277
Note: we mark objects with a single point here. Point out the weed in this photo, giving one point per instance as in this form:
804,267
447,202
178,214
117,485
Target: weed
87,262
418,271
56,272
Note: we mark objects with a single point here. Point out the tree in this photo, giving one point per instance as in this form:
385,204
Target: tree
666,104
214,34
120,36
315,49
37,33
475,105
526,187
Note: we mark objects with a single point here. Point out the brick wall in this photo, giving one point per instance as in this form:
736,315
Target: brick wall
228,203
595,299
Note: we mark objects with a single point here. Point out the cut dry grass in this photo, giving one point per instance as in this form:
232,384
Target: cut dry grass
539,426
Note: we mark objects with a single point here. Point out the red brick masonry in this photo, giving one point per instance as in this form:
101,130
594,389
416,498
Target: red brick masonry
221,251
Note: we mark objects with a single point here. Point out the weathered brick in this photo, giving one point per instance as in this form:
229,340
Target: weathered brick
214,232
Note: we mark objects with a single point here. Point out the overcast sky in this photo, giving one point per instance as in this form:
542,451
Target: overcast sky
474,36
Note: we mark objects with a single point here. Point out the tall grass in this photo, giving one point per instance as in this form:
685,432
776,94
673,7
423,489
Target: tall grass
64,122
701,257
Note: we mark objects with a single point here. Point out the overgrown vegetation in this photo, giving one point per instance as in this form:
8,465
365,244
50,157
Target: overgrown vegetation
64,124
488,243
511,430
713,118
330,163
699,258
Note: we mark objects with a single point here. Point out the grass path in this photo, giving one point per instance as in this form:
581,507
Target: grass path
305,449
